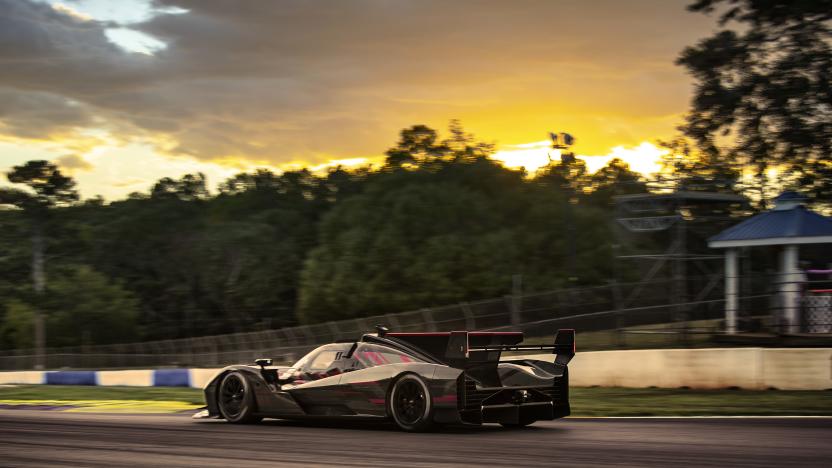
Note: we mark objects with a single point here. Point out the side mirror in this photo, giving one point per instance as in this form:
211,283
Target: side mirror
263,362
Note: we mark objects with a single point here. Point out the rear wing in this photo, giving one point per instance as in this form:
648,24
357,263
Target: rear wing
471,347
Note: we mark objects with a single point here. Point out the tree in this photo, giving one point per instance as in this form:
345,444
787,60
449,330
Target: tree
442,223
259,180
84,306
416,144
47,188
763,97
462,146
394,248
612,180
89,308
18,325
419,146
188,188
692,170
569,175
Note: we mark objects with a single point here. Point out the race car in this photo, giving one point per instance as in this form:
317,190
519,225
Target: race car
417,380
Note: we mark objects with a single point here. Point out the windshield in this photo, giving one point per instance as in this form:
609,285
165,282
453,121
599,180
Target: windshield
302,362
371,355
368,355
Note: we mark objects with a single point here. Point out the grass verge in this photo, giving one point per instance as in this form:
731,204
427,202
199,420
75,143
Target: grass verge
584,401
684,402
87,393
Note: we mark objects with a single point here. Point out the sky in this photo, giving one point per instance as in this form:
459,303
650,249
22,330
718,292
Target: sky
122,93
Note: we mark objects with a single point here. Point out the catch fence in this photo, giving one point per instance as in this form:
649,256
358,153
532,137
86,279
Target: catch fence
538,314
606,316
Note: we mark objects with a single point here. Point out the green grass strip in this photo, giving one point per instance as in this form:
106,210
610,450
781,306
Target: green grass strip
81,393
584,401
106,406
684,402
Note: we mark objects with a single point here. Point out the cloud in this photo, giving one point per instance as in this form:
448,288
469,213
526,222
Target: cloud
72,163
69,11
36,114
312,81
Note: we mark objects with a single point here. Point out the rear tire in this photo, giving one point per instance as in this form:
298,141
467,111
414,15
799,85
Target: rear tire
236,399
410,404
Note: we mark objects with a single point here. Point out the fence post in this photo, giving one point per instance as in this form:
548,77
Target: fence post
227,344
516,299
290,334
192,351
470,324
333,328
392,322
427,317
364,326
307,333
619,315
512,315
215,353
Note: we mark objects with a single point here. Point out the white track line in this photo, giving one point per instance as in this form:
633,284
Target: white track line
700,417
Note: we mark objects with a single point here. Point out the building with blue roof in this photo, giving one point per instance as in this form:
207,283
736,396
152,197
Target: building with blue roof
788,225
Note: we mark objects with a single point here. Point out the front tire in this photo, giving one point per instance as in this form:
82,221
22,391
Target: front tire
410,404
236,399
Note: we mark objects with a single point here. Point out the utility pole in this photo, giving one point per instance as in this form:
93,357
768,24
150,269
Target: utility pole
562,142
39,282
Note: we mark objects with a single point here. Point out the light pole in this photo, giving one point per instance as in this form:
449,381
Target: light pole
562,142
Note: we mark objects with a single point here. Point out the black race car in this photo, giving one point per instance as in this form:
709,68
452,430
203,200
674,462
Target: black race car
416,379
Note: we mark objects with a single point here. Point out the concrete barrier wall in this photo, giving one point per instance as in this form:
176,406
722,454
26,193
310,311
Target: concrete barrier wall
750,368
797,369
130,378
196,378
201,377
22,377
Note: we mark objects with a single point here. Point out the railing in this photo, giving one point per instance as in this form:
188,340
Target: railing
590,309
608,316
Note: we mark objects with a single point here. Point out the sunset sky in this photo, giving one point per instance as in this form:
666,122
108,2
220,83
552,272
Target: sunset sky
121,93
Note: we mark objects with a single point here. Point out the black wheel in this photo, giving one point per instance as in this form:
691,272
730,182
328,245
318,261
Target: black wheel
410,404
236,400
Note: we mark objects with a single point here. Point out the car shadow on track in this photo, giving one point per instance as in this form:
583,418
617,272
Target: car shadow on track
383,426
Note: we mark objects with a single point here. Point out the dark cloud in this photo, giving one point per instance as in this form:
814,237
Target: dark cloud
42,49
290,80
53,67
34,114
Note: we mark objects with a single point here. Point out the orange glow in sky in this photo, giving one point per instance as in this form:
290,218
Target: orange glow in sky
644,158
123,93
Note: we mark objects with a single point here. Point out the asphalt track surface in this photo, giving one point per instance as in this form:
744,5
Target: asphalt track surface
49,438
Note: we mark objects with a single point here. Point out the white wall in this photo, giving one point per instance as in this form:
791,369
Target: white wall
132,378
22,377
750,368
201,377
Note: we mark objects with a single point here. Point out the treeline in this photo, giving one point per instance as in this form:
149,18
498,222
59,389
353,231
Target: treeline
438,222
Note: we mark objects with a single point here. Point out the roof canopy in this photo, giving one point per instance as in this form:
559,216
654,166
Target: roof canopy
788,223
692,195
